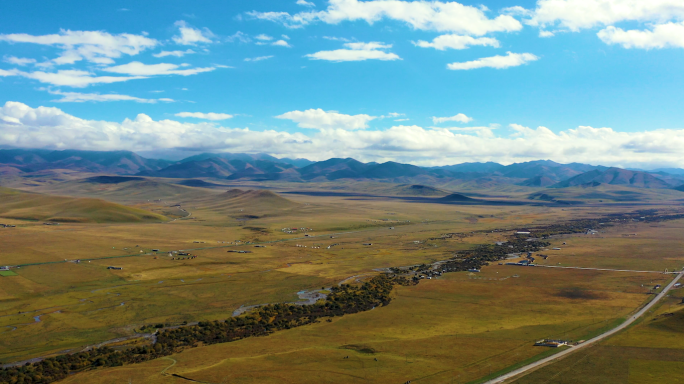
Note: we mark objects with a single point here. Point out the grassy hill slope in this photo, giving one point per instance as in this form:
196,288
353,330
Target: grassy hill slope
20,205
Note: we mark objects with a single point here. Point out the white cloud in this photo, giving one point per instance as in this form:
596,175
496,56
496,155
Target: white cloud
456,42
94,46
263,37
498,62
543,33
174,53
461,118
239,36
191,36
11,72
260,58
205,116
75,97
281,43
333,38
486,132
18,60
395,116
286,37
42,127
581,14
305,3
320,119
662,36
357,52
136,68
69,78
423,15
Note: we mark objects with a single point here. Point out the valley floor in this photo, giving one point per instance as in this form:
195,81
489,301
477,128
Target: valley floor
457,328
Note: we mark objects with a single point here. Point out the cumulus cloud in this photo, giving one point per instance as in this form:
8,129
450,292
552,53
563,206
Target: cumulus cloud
461,118
281,43
661,36
581,14
174,53
205,116
456,42
75,97
320,119
263,37
43,127
357,52
498,62
94,46
188,35
260,58
136,68
422,15
305,3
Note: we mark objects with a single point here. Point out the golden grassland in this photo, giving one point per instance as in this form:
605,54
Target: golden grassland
634,246
460,327
651,351
19,205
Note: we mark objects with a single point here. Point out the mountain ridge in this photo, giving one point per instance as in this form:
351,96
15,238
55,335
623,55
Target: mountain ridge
264,167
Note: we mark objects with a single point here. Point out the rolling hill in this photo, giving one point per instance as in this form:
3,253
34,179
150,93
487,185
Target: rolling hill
126,189
238,202
455,198
416,190
21,205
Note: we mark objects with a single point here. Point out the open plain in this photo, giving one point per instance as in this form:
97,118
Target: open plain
208,254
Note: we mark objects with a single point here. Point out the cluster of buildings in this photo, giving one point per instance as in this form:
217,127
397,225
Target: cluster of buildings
7,225
295,230
431,274
306,246
527,262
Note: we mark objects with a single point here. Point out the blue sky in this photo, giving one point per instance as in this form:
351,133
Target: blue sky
423,82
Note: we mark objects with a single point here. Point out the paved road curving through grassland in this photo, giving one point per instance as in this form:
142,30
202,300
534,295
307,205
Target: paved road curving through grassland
596,339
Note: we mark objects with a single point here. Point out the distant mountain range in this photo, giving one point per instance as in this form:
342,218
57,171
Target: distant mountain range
614,176
262,167
116,162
